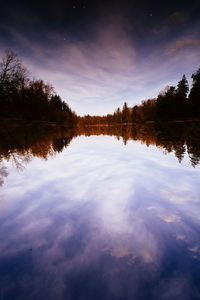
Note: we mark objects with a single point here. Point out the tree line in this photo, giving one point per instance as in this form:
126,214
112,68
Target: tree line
26,99
172,104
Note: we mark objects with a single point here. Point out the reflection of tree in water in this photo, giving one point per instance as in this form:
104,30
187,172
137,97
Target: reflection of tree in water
193,146
179,151
21,143
19,160
3,173
171,137
60,143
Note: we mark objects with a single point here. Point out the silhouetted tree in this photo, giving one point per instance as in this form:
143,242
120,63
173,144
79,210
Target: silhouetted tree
57,102
23,98
183,87
13,80
194,95
181,107
13,76
165,104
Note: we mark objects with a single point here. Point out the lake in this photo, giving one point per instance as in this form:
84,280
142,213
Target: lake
100,214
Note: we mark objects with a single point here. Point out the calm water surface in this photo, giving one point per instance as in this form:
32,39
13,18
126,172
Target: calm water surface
100,220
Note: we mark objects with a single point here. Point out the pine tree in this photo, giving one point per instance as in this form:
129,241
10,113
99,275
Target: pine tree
183,87
194,96
181,108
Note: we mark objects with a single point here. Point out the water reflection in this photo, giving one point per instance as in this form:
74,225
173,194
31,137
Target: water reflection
100,221
171,137
21,143
3,173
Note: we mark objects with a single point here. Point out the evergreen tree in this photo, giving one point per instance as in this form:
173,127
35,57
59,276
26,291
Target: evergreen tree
180,107
194,96
183,87
134,114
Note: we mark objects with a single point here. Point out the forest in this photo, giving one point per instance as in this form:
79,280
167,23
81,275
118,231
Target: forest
32,100
172,104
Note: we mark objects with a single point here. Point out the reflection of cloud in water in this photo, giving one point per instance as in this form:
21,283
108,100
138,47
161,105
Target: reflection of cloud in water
132,245
165,215
70,184
169,217
126,231
195,249
180,237
94,172
120,251
176,287
196,252
3,173
181,198
94,201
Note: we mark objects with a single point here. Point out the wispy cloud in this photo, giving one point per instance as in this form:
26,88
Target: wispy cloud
177,18
182,45
97,75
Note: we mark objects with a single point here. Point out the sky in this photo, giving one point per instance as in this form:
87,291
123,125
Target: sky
99,54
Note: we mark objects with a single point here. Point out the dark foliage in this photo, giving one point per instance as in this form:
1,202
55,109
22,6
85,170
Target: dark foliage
171,105
25,99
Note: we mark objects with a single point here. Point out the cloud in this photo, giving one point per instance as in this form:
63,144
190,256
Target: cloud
98,74
177,18
170,23
182,45
104,55
157,31
99,69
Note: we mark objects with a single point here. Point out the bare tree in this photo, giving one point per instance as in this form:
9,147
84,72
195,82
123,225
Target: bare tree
13,76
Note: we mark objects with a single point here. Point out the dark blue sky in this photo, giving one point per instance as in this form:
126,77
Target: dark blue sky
98,54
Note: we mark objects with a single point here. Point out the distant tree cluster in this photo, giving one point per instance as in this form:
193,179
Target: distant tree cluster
171,105
27,99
